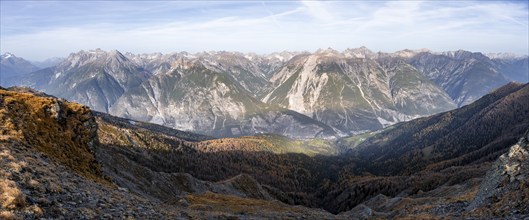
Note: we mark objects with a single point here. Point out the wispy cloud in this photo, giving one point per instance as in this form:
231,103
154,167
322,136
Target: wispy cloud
38,30
318,10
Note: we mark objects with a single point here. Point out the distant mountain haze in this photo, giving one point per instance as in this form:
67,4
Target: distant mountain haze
12,66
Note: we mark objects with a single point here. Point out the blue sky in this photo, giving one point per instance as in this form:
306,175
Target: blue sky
37,30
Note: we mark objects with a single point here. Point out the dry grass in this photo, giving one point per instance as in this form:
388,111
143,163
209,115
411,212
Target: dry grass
467,196
10,195
8,215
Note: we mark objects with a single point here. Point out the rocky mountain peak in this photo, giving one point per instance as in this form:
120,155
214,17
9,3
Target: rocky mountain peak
91,56
113,61
7,55
506,56
407,53
361,52
116,59
116,54
13,66
283,56
329,50
463,54
11,59
327,55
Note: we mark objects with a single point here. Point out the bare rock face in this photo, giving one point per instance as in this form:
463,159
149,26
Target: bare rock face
196,95
515,160
505,189
353,94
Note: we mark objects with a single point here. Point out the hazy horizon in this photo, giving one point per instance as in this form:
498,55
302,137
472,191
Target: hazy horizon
261,54
40,30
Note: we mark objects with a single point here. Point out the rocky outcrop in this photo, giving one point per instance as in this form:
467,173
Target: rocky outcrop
505,189
64,131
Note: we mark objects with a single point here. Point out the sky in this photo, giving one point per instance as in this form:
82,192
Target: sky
37,30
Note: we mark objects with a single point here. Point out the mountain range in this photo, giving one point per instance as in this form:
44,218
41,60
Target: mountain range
323,94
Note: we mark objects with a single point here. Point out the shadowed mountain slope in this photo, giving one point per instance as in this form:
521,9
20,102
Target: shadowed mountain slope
476,132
